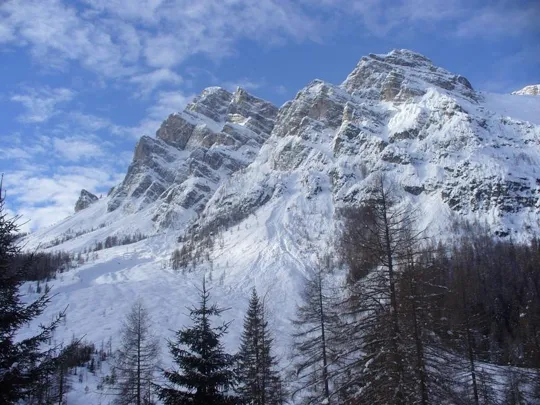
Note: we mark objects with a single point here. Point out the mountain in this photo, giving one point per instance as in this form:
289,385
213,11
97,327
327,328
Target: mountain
85,199
252,193
532,90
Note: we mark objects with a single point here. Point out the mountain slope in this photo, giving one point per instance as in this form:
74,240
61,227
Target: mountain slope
254,192
532,90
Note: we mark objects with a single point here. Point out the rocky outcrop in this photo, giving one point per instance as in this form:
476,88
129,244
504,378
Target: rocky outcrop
533,90
229,155
194,151
401,75
85,199
426,128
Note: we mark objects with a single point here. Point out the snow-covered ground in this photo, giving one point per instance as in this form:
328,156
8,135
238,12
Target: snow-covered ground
442,146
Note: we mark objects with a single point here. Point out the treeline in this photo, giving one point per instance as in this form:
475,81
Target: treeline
69,235
40,266
115,240
417,322
45,266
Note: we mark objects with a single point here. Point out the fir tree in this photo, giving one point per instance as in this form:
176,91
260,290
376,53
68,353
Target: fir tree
136,359
259,382
205,373
22,362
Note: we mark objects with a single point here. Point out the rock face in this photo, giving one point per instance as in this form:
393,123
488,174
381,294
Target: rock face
425,128
453,152
400,76
85,199
533,90
252,196
194,152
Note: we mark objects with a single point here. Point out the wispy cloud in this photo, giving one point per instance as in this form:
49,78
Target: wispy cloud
150,81
123,38
499,21
75,149
40,104
166,102
44,199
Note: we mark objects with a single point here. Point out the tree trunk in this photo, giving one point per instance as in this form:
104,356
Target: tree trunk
323,342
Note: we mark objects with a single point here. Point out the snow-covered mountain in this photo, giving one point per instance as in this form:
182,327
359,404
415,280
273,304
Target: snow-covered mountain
532,90
254,191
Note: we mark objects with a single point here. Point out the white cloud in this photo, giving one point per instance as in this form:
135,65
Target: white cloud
150,81
74,149
43,199
119,38
40,103
166,103
124,38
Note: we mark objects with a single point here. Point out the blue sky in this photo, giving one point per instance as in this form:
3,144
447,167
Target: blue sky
81,81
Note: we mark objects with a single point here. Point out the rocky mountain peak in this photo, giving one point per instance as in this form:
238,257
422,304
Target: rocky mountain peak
532,90
85,199
401,75
218,133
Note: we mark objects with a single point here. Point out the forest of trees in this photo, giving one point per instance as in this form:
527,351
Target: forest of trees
416,321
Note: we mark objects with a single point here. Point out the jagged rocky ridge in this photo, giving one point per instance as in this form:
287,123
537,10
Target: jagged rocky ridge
255,192
228,155
426,128
194,151
532,90
85,199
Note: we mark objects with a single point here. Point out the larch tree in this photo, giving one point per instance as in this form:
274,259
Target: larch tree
259,382
23,362
136,359
205,373
378,241
314,339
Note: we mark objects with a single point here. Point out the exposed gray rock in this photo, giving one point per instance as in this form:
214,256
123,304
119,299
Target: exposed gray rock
194,151
85,199
532,90
400,76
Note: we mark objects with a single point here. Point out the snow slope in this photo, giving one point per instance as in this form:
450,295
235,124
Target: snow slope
272,208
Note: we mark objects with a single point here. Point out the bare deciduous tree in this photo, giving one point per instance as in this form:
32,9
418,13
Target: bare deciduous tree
136,359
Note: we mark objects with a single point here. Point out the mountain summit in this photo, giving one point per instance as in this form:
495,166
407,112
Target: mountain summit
250,194
532,90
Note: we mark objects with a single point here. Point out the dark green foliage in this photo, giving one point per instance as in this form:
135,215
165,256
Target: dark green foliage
22,362
54,386
205,373
259,382
44,265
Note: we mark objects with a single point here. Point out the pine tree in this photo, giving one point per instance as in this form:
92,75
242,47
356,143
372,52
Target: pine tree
259,382
206,372
22,362
314,340
136,359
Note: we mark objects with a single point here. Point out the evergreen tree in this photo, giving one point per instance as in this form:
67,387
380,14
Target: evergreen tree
136,359
314,340
259,383
22,362
205,375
